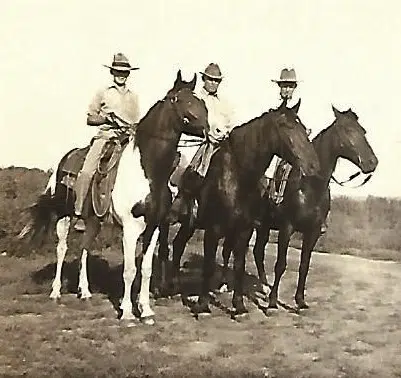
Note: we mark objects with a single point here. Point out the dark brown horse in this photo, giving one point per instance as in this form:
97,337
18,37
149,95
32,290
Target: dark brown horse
229,195
140,198
307,201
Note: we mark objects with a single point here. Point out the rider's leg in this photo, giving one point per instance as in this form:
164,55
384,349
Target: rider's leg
85,176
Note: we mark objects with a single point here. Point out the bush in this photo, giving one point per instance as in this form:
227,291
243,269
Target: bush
372,224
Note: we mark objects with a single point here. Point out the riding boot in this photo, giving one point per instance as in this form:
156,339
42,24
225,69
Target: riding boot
180,206
81,190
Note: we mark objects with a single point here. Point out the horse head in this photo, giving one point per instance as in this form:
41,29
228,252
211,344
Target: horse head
293,139
190,109
352,143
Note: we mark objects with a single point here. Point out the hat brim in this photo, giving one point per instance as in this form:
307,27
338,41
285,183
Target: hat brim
285,81
211,76
122,69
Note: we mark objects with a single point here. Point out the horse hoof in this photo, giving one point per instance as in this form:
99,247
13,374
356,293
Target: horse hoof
84,296
201,309
55,297
148,320
241,312
127,315
272,306
128,323
302,305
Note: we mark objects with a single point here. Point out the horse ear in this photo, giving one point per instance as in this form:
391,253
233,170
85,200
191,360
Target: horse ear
178,80
192,83
337,113
283,105
295,108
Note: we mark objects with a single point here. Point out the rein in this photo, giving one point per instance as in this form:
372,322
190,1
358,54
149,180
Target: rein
195,142
341,183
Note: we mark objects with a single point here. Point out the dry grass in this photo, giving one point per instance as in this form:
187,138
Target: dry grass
351,329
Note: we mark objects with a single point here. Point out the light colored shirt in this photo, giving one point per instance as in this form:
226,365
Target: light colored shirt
121,101
220,115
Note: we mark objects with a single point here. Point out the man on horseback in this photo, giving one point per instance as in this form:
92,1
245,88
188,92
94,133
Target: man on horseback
221,121
287,84
114,110
278,168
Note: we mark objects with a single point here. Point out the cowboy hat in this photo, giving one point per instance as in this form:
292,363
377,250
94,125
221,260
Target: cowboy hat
213,71
121,63
287,76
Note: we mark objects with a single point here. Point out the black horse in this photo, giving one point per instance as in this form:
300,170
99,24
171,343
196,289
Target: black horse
306,201
229,194
140,198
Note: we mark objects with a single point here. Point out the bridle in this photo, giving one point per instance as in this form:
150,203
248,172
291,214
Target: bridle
351,177
172,101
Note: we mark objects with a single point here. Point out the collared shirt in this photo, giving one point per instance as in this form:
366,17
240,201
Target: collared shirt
121,101
220,116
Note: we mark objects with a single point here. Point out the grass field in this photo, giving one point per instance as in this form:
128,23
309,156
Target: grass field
351,329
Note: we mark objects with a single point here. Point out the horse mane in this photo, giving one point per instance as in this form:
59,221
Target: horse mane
144,119
322,132
348,113
248,137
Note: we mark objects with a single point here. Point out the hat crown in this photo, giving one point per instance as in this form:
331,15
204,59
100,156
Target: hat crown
288,75
120,58
213,70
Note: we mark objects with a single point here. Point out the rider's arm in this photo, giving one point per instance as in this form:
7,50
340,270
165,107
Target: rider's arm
95,116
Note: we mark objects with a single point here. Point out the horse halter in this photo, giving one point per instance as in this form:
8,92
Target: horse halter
351,177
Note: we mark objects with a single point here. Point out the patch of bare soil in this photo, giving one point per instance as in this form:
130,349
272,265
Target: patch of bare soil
351,329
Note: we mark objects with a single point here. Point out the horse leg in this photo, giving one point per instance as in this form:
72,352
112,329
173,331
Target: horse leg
210,243
132,229
308,243
262,237
163,255
240,249
180,241
281,263
227,250
147,313
91,231
62,228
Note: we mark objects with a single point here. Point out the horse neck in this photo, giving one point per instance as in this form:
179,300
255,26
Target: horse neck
157,139
158,123
254,145
324,145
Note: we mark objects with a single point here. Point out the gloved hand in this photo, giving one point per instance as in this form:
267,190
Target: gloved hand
96,120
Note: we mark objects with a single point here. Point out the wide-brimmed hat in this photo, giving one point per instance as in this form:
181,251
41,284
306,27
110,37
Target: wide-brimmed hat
213,71
287,76
121,63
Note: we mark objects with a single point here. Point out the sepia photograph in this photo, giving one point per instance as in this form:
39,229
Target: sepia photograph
200,188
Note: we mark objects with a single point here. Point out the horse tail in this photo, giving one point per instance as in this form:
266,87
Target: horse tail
41,214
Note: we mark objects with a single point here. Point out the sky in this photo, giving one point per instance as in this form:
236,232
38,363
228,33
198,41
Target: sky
345,52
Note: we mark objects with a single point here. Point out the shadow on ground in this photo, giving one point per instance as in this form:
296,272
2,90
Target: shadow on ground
107,279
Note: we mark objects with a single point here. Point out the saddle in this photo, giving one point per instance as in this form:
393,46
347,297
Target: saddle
279,182
104,178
